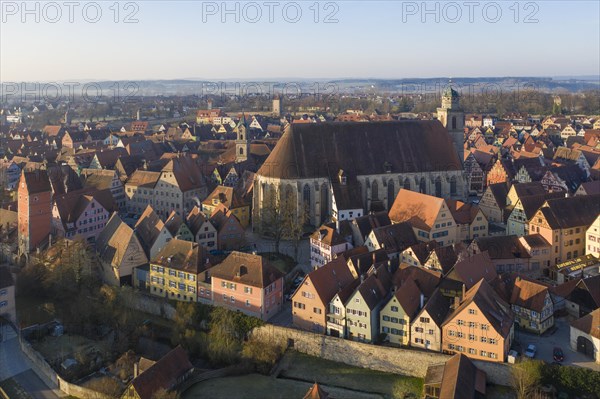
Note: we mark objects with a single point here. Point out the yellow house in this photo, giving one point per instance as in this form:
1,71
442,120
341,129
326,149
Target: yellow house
398,313
176,270
563,222
231,199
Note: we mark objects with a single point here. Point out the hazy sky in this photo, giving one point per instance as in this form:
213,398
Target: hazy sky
381,39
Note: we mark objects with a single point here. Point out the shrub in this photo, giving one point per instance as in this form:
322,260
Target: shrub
262,354
572,379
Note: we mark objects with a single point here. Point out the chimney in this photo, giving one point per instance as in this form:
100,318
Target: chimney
456,302
464,288
422,301
136,369
362,278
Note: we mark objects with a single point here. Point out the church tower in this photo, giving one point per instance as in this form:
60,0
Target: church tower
34,210
453,119
276,108
242,143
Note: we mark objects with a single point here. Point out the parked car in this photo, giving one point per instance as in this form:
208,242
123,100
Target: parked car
558,355
530,351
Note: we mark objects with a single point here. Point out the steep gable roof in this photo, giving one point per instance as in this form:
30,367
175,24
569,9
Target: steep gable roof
461,379
165,373
320,149
419,209
529,294
148,228
113,240
472,269
330,279
490,304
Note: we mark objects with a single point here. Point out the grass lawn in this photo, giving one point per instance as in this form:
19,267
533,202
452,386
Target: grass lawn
257,386
283,262
309,368
13,390
34,311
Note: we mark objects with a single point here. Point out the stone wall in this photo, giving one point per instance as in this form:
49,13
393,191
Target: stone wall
40,366
152,305
79,391
409,362
52,379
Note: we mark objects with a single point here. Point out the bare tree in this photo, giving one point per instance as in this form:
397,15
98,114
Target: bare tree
526,376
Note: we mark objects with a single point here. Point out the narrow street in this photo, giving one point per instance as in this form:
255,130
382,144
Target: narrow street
14,364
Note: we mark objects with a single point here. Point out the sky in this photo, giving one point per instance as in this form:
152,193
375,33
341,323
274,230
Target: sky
104,40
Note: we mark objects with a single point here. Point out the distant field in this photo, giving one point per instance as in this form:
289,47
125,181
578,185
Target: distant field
257,386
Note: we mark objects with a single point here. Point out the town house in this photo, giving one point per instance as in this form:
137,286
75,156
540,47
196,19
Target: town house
429,216
362,308
176,270
563,222
311,299
248,283
481,326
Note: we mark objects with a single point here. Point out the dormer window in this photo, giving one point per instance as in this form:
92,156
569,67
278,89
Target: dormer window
387,166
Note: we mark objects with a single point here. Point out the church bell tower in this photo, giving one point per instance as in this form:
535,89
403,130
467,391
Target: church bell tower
242,143
453,119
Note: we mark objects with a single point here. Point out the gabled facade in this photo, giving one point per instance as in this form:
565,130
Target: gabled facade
396,316
430,217
532,305
119,251
310,301
481,326
325,244
563,222
426,327
203,230
592,238
362,308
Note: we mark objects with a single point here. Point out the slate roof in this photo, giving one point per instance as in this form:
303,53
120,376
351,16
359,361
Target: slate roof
322,149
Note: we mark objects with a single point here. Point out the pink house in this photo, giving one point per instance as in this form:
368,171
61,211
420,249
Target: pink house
81,214
247,283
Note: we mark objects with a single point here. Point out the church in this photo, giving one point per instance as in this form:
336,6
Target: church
342,170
